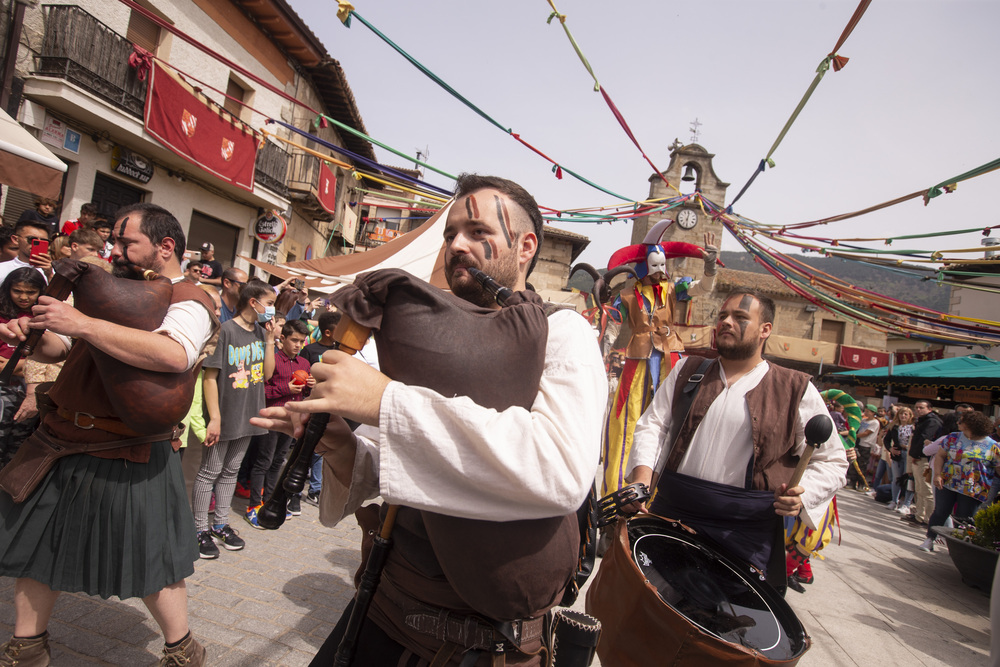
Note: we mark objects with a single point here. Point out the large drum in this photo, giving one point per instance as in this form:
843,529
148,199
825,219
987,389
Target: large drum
665,596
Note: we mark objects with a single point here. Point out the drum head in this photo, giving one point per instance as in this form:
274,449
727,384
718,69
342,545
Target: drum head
713,592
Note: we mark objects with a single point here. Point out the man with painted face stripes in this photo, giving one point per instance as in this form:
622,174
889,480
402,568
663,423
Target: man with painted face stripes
725,468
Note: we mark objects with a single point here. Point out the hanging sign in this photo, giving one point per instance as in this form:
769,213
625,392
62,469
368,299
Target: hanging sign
270,227
929,393
133,165
970,396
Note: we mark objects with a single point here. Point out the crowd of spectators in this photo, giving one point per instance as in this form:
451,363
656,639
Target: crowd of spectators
933,469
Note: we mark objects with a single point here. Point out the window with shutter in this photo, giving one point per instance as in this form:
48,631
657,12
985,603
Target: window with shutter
143,32
235,91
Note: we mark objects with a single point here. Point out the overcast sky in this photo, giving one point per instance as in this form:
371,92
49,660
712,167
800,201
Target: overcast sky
918,102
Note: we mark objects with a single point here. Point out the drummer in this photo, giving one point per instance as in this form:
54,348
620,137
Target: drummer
725,470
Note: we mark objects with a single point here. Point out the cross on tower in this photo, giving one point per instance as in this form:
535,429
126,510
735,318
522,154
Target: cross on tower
694,130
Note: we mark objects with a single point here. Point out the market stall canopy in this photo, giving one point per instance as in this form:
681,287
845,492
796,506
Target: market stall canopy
420,252
974,372
25,163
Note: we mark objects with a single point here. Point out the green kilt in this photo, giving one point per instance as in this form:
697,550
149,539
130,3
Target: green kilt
102,527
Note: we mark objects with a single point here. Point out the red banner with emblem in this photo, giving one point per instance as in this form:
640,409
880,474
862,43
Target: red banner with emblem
914,357
859,357
326,189
198,130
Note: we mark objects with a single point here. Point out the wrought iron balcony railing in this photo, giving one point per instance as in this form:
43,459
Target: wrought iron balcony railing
84,51
272,168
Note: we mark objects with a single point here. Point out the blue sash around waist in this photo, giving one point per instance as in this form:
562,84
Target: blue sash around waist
741,521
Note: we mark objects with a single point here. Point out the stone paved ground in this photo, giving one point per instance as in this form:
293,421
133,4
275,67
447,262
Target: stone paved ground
876,601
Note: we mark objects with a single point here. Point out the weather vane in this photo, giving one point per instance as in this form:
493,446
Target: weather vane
695,134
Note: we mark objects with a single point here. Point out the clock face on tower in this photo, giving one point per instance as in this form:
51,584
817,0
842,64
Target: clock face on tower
687,219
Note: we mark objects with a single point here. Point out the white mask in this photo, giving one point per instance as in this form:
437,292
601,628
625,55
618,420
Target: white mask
656,262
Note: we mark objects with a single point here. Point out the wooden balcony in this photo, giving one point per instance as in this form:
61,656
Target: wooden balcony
82,50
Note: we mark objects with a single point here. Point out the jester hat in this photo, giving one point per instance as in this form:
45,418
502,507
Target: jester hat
637,254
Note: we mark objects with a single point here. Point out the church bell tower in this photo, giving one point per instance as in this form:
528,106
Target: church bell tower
690,169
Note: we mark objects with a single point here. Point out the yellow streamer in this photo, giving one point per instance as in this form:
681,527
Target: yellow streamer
325,158
358,175
344,9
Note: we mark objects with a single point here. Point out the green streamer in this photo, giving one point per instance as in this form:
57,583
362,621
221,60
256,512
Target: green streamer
978,171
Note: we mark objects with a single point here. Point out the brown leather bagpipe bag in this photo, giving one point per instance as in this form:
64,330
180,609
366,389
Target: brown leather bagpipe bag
92,383
639,628
148,402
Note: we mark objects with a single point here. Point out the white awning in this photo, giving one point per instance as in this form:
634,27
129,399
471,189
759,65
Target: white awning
25,163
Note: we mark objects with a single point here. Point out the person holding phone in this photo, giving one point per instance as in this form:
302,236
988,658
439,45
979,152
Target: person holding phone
32,250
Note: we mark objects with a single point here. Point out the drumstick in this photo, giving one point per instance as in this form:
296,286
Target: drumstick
817,431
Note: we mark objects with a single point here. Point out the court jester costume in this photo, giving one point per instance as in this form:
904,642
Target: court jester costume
647,309
801,541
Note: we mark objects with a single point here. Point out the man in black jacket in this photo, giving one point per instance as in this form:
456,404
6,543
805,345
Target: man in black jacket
927,429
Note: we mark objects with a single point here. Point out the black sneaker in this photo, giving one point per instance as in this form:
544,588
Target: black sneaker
312,499
206,545
294,506
228,538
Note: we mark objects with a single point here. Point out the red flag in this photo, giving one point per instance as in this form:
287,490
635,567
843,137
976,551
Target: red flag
193,129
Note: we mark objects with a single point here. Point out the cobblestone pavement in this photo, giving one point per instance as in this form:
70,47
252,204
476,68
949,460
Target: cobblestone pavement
876,600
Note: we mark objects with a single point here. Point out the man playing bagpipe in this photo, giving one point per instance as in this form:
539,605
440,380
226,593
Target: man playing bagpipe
464,472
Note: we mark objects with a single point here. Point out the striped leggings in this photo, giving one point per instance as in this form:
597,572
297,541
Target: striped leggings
219,465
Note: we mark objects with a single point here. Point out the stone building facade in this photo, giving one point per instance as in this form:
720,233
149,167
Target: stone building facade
73,73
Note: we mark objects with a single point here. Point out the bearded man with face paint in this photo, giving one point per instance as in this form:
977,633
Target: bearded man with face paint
724,467
450,456
115,521
648,310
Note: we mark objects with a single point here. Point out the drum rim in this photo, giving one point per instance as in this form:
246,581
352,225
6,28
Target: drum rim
761,587
774,617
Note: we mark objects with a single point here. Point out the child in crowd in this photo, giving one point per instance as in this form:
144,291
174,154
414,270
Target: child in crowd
43,215
84,242
325,325
18,293
88,213
282,388
233,390
103,228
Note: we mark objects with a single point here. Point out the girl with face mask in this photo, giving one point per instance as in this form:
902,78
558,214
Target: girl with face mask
233,391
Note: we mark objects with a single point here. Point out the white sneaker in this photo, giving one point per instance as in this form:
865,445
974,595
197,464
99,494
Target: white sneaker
927,545
904,510
891,505
870,493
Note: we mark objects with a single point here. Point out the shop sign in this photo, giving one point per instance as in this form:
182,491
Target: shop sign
929,393
54,132
270,227
133,165
270,253
970,396
383,235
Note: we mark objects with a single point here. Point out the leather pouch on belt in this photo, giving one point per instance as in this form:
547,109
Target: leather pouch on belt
39,453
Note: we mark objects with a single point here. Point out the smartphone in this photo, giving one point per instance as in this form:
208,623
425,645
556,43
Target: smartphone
298,283
39,247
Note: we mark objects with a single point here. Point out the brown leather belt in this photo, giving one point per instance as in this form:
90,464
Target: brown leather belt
88,421
467,630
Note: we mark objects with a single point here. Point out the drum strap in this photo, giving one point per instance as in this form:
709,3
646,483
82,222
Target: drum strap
682,406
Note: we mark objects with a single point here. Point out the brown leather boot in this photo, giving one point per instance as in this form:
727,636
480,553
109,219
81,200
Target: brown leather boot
20,652
189,653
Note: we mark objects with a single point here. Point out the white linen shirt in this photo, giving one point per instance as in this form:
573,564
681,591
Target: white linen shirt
452,456
721,447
